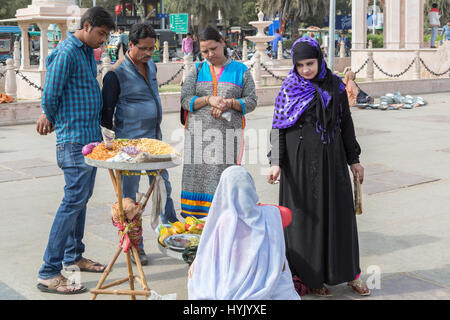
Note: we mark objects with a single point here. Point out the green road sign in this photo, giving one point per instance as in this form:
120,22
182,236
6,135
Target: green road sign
179,23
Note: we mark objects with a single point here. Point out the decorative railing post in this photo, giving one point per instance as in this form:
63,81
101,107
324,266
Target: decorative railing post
188,61
257,71
10,81
106,66
369,70
166,52
280,51
244,51
416,75
342,50
16,54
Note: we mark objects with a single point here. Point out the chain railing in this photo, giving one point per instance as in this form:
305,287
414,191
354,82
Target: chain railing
432,72
362,67
271,73
394,75
28,81
404,71
2,74
173,77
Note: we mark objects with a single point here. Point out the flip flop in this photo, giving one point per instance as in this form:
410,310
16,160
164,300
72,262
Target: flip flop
57,283
85,265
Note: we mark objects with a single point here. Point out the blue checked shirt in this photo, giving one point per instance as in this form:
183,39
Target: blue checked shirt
72,99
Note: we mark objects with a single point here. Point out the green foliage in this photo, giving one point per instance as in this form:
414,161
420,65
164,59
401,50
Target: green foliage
248,13
427,37
377,40
8,8
287,44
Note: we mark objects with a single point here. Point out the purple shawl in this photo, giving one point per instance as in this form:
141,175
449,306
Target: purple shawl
297,93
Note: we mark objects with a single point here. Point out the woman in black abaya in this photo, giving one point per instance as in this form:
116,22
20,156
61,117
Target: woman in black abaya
313,143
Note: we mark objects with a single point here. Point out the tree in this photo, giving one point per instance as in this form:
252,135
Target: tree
296,11
8,8
248,12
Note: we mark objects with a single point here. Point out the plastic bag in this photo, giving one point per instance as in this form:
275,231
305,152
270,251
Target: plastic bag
155,296
159,197
226,115
108,137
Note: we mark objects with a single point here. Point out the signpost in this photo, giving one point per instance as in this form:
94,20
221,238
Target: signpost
179,23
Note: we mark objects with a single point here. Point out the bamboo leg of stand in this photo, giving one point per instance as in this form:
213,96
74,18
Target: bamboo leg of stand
130,275
113,179
122,218
150,190
139,267
119,194
106,272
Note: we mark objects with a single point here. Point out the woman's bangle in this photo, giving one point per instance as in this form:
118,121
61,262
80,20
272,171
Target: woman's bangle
207,100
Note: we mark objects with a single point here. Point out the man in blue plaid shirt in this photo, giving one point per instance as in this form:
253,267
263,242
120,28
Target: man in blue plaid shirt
72,103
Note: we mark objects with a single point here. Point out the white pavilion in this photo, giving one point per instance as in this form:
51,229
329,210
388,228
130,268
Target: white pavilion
42,13
403,39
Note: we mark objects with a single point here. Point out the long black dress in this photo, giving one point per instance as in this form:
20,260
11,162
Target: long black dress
322,239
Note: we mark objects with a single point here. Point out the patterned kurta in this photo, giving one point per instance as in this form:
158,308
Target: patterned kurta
211,145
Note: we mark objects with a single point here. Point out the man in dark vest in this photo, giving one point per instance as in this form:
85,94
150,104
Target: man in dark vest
132,107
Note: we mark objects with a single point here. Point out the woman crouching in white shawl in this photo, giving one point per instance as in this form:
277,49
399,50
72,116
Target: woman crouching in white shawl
241,254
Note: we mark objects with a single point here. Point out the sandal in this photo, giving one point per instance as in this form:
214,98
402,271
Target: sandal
61,285
323,292
86,265
359,287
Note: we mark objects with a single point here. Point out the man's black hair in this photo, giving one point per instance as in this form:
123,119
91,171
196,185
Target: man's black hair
121,28
97,17
141,31
434,5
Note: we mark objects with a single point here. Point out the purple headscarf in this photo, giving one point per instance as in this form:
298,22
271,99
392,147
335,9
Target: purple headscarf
297,93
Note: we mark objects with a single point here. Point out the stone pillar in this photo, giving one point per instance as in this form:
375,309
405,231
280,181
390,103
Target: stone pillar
369,68
257,70
244,51
280,51
370,45
25,61
166,52
16,54
188,61
106,66
359,24
10,81
63,29
392,23
413,24
342,49
416,74
43,26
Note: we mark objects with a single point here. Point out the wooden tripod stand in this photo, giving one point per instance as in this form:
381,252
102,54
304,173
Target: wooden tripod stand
116,178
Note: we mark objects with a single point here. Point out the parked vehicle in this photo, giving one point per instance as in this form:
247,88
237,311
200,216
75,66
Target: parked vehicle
163,35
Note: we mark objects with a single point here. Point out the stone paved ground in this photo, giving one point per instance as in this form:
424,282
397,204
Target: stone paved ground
403,231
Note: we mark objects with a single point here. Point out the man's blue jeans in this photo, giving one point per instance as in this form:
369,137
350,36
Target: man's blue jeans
65,244
130,186
434,32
